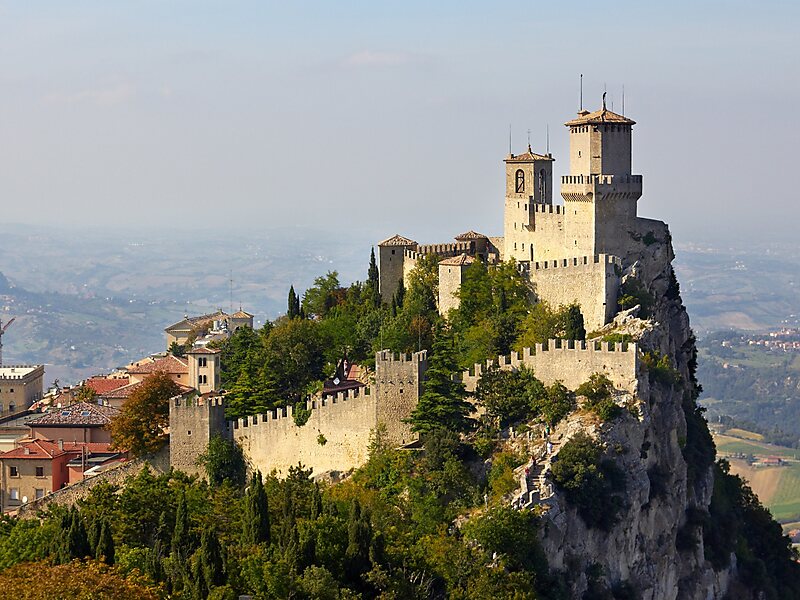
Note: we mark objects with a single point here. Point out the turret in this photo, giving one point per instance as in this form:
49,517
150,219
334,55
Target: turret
392,264
600,193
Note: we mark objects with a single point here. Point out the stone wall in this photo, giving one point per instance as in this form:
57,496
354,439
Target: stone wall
571,362
398,386
591,281
158,463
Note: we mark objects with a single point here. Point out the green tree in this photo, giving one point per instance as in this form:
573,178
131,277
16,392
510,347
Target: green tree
211,558
105,544
294,357
293,309
255,521
77,540
373,281
508,396
320,298
223,461
139,428
86,394
177,349
181,540
443,402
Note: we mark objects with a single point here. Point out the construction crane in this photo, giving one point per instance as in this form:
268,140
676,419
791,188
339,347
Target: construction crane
2,331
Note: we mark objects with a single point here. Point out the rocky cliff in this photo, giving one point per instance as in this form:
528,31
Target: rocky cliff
661,444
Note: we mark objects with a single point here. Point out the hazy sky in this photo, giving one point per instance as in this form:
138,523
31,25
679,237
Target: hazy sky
387,117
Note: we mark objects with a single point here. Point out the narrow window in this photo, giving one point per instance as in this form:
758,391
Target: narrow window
39,493
13,472
520,185
40,471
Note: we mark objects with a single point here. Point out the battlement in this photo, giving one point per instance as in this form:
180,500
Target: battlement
10,373
447,250
390,357
601,179
556,209
565,263
570,361
191,402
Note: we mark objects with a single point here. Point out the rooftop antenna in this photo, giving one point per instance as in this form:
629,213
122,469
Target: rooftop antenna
547,135
529,140
231,288
581,91
2,331
623,99
509,139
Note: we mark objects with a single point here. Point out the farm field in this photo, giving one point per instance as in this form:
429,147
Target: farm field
778,488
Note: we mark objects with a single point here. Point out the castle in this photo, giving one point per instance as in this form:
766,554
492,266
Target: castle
573,252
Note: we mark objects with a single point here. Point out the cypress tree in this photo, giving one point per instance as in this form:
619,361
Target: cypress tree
77,540
211,558
443,402
292,311
255,524
400,295
359,538
373,281
180,535
105,544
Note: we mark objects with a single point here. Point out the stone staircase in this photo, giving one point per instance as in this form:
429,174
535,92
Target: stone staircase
534,484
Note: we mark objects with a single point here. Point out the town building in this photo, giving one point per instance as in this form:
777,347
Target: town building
79,422
20,386
218,324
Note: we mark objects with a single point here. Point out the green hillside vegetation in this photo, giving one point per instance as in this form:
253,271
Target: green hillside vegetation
752,388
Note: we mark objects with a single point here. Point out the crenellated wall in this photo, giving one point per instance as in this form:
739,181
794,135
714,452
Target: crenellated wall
571,362
335,437
591,281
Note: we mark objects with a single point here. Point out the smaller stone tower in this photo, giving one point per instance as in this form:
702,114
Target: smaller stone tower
451,276
398,386
193,421
392,263
529,183
204,370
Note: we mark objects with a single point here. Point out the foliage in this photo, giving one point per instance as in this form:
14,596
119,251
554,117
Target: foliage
633,292
73,581
556,404
223,461
501,476
139,428
177,349
508,396
510,533
255,522
544,323
599,396
85,394
442,404
591,483
293,309
301,414
660,369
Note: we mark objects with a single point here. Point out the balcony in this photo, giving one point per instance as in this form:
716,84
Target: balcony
577,187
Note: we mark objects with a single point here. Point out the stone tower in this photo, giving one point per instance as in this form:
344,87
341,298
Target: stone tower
392,263
529,184
600,193
204,370
193,421
451,276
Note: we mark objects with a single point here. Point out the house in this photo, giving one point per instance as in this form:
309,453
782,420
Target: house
20,386
190,328
80,422
176,368
348,376
38,467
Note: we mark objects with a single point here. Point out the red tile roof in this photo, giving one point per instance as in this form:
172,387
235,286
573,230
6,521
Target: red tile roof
101,385
169,364
203,350
49,449
528,156
85,414
471,235
122,392
457,261
397,240
599,117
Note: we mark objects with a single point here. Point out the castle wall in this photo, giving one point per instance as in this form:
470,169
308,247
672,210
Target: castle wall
571,362
274,442
591,281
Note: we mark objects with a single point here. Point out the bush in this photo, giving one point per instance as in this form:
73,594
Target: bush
660,369
501,476
598,392
633,292
512,534
592,484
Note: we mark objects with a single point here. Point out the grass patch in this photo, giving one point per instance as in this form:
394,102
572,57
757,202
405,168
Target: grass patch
730,445
744,434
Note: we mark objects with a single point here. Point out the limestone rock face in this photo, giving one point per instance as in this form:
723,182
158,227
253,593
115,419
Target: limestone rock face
640,549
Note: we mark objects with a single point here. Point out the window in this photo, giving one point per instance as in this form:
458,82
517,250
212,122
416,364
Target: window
520,178
38,493
11,407
543,184
13,493
86,413
201,362
40,471
189,432
13,471
11,390
201,379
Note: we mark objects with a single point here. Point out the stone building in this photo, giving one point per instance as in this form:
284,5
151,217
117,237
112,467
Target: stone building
20,386
190,328
571,252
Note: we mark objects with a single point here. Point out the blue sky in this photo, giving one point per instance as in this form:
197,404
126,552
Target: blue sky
387,117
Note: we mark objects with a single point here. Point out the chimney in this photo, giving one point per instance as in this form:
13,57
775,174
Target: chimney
61,445
26,450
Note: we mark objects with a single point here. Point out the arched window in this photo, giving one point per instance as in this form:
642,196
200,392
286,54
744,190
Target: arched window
520,187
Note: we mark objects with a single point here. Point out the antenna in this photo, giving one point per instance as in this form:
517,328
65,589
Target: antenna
509,139
231,288
623,99
581,91
547,129
2,331
529,139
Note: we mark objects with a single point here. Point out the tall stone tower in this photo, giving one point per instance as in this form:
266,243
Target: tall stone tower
600,193
529,185
193,421
392,263
204,369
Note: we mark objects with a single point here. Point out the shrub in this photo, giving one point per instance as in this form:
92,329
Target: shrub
633,292
301,414
589,482
598,392
501,476
660,369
